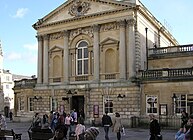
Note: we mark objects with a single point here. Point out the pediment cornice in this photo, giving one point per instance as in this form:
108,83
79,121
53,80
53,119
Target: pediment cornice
40,25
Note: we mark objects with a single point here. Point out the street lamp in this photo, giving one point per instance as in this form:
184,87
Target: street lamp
174,97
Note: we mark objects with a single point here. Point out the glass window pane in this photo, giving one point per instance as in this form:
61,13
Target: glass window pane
85,66
85,52
82,44
80,67
79,53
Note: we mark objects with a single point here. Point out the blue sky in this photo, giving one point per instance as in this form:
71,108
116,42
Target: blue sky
20,44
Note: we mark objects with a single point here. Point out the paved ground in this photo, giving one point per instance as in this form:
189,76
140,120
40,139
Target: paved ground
131,133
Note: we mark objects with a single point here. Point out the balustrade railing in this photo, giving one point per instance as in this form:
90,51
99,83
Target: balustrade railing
25,82
171,49
167,73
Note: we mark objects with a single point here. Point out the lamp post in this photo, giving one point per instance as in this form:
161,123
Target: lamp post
174,97
146,42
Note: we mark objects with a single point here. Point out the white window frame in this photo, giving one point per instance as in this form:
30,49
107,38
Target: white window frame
31,104
181,103
105,100
53,104
153,106
82,59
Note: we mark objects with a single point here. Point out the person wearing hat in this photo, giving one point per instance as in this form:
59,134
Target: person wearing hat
60,133
91,133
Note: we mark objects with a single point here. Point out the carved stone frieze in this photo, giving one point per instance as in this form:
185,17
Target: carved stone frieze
55,36
122,23
88,31
109,26
46,37
96,28
131,22
79,8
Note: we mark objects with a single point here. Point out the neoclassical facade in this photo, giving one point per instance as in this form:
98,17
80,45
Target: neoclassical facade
92,56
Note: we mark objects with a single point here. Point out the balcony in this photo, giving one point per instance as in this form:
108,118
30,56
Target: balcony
171,51
167,74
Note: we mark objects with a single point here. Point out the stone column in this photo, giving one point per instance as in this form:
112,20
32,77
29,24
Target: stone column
40,53
131,48
65,58
96,52
122,53
45,59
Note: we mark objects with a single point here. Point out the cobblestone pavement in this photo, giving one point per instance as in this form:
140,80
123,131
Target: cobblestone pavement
131,133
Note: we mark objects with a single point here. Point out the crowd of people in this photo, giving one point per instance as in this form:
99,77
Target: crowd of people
62,124
186,129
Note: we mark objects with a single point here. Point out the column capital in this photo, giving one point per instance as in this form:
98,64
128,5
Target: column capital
46,37
121,23
66,33
39,37
96,27
131,22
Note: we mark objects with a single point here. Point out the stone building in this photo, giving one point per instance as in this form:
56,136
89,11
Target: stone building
100,55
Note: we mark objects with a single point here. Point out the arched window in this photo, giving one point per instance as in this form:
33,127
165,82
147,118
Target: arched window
82,58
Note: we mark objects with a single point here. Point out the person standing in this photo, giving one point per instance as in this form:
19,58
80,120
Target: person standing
106,122
60,133
36,120
68,121
117,125
11,115
154,128
184,118
191,128
3,124
79,131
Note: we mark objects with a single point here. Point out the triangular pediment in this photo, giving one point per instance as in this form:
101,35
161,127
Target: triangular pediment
55,49
108,41
72,9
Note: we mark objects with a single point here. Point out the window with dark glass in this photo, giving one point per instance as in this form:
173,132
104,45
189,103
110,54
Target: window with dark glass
151,104
82,58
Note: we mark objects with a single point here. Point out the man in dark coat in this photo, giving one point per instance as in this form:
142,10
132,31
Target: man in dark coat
106,122
154,128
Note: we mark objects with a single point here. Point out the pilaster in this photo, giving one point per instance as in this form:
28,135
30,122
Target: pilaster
65,57
45,59
40,61
96,52
122,51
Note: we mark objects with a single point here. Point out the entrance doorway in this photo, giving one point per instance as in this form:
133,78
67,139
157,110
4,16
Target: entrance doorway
6,111
78,104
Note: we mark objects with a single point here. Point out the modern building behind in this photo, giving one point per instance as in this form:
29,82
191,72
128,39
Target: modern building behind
105,55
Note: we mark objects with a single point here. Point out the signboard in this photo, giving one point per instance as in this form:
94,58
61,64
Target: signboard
96,111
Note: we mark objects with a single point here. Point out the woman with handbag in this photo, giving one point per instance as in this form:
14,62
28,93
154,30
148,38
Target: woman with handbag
117,126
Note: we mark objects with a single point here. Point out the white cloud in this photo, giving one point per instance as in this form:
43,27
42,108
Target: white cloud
21,12
13,56
33,47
